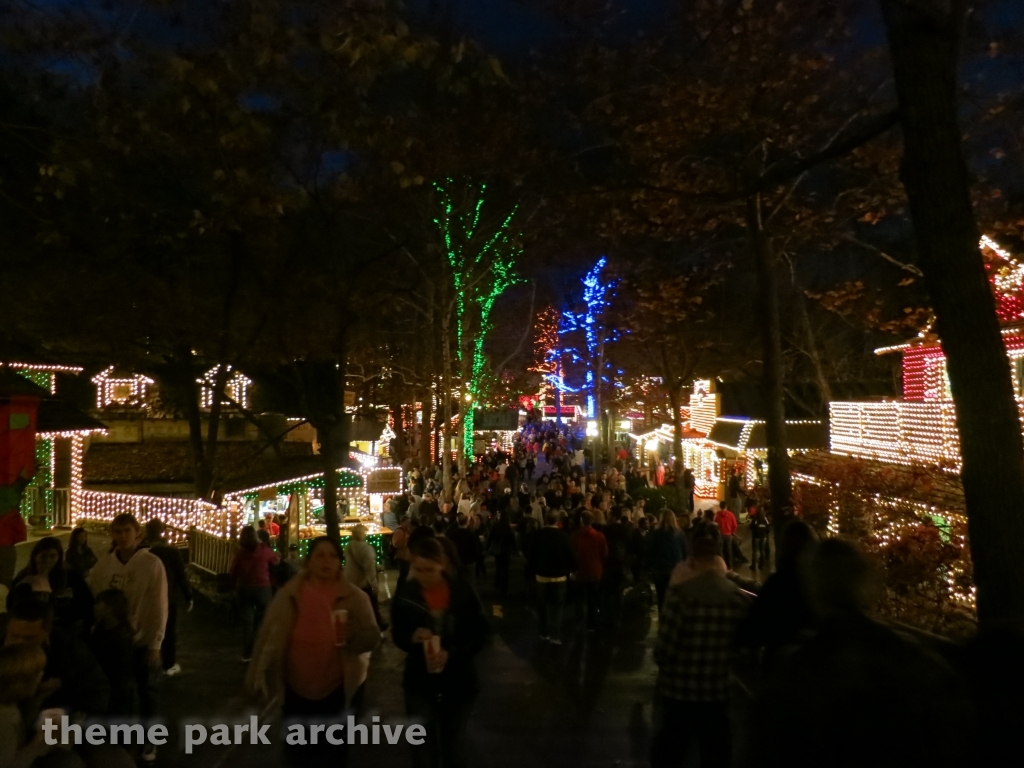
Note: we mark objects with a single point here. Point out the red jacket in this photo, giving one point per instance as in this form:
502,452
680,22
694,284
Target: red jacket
591,550
252,569
726,522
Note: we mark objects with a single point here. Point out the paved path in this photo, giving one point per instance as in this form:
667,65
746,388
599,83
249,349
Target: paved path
584,704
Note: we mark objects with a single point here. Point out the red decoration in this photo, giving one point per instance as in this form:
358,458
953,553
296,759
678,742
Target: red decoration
923,366
17,439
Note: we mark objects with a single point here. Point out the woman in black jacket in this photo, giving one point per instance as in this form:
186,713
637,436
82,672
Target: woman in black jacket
65,590
439,622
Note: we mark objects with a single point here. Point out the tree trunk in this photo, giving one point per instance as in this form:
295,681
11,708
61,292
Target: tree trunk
213,428
558,393
180,377
321,394
329,451
426,426
923,50
674,387
824,387
779,482
467,392
674,392
202,479
612,418
398,411
446,405
340,434
438,438
464,433
602,421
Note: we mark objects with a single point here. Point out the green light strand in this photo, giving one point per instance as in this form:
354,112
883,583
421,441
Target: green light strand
470,290
43,479
41,379
347,480
376,540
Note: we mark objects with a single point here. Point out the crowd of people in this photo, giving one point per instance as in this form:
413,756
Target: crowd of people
93,635
101,630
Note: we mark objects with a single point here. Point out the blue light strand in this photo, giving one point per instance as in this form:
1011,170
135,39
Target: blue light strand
596,297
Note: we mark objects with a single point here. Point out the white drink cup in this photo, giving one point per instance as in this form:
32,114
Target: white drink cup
340,616
432,647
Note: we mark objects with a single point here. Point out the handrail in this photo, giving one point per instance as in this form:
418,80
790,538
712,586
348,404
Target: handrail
50,503
210,553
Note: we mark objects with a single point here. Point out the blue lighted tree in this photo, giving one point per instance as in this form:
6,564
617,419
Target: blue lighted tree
586,334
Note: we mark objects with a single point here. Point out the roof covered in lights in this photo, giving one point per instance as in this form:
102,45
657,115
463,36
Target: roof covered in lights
54,416
58,417
751,435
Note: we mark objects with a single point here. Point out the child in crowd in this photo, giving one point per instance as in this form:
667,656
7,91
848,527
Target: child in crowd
21,672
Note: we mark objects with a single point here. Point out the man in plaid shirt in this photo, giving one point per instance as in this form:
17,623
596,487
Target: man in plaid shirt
694,653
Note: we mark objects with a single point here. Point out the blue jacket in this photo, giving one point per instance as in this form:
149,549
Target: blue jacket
665,549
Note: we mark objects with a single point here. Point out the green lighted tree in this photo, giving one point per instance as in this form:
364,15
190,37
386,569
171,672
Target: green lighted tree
482,265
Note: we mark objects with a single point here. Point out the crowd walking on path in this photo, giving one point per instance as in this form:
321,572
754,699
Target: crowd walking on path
788,648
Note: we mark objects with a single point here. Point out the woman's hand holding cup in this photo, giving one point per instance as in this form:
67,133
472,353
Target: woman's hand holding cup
437,657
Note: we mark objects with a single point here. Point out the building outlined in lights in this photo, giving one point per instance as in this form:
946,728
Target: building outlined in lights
714,445
920,428
62,433
904,454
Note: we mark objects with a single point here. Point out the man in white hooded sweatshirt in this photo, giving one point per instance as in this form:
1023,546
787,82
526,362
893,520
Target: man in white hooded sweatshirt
140,575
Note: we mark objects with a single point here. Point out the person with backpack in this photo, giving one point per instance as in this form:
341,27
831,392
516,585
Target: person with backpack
179,593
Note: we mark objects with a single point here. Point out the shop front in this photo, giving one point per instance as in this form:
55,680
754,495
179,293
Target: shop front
300,503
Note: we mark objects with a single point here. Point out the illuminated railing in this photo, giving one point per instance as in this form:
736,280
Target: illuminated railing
179,515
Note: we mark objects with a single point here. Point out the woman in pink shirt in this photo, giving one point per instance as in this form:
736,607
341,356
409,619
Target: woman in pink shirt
251,571
314,648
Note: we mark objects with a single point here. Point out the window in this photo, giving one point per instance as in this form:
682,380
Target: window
121,392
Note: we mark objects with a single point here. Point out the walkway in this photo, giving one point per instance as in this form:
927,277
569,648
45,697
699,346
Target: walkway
586,703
